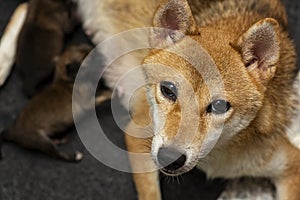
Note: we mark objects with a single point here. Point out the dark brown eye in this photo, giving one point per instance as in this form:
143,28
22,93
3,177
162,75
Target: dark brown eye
218,107
169,90
72,69
252,61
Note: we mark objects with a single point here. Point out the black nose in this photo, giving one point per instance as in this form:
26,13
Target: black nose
170,159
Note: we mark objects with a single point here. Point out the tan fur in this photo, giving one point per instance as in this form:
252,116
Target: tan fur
249,44
8,41
293,129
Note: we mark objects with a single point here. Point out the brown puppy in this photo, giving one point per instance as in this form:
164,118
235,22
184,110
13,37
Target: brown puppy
50,112
40,40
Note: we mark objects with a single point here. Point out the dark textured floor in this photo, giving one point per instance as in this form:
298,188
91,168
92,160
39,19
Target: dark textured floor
30,175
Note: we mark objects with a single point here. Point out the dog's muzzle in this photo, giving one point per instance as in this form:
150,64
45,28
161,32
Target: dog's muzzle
171,160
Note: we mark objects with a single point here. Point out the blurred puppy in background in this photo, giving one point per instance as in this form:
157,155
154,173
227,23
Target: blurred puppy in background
43,120
41,40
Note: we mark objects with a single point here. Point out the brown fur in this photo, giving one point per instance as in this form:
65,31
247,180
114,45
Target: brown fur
49,113
40,40
251,48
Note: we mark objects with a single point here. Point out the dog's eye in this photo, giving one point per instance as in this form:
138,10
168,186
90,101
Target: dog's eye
169,90
72,69
218,107
251,62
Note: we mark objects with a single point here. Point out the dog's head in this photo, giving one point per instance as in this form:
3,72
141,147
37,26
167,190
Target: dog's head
205,84
68,64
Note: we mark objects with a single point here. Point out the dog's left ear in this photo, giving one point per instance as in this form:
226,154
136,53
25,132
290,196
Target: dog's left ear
260,49
173,20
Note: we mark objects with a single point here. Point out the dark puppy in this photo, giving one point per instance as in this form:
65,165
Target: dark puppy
41,40
49,113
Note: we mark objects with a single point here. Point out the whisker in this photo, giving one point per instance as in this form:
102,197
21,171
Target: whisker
180,177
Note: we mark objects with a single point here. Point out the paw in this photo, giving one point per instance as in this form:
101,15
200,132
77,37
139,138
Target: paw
78,156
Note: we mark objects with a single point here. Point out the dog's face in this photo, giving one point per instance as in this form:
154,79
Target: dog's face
210,94
68,64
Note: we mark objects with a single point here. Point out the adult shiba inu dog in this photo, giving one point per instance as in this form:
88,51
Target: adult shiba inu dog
250,47
228,102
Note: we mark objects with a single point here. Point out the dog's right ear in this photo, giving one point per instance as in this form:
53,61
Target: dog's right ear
172,21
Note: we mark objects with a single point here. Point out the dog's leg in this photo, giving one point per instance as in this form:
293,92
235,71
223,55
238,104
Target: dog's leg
147,183
103,96
45,144
51,149
8,41
288,183
288,188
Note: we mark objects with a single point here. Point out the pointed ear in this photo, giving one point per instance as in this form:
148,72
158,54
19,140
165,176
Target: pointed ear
173,20
260,49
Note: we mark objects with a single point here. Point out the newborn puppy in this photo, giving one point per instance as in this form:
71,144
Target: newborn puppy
47,115
41,40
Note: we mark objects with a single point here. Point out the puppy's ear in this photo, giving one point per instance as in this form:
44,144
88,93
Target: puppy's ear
260,49
86,48
173,20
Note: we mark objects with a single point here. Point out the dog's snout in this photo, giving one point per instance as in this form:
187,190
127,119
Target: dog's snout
171,159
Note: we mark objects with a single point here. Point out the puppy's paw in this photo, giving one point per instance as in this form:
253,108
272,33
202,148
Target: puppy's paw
78,156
